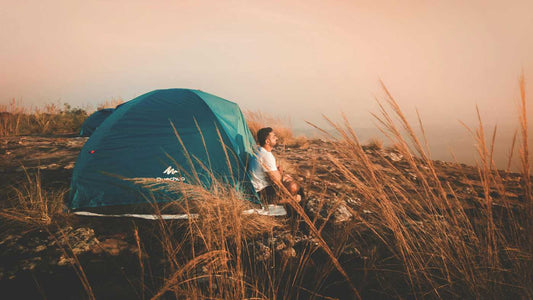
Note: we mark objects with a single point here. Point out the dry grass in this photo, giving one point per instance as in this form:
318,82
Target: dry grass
111,103
16,119
525,163
207,260
214,255
216,240
375,144
37,208
257,120
444,251
11,118
32,205
422,240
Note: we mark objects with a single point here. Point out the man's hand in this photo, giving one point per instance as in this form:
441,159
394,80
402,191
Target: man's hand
296,198
286,178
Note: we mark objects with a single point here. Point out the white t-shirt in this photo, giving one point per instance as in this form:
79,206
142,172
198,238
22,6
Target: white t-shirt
263,162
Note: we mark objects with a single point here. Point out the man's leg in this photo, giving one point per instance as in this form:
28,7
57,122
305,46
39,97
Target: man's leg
268,195
302,194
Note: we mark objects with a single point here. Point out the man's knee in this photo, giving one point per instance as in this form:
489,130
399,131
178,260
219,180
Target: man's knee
268,195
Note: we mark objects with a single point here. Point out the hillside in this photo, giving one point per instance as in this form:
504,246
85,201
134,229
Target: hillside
76,257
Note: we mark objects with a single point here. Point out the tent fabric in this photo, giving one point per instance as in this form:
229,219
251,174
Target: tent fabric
211,139
94,120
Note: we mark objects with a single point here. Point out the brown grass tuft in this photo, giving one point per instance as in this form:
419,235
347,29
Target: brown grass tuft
442,246
32,205
257,120
110,103
375,144
15,119
11,117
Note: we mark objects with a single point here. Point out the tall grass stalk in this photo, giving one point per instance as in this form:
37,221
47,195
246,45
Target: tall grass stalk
11,117
527,269
33,205
218,242
524,158
37,208
206,259
425,225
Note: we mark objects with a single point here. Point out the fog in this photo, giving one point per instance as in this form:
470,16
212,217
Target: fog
452,144
292,59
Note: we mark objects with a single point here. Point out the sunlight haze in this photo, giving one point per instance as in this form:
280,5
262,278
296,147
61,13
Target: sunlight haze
294,59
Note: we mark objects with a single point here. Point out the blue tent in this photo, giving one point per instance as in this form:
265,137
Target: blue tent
138,141
94,120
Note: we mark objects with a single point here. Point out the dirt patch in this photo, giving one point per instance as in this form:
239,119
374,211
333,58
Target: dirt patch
45,261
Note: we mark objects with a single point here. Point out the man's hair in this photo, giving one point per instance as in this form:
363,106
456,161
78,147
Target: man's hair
262,135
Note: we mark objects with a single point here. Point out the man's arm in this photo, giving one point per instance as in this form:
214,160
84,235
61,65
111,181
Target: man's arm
271,169
275,177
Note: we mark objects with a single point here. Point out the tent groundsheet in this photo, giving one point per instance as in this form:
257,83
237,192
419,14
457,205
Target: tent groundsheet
270,210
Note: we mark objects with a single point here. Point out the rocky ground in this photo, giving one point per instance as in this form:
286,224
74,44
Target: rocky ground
34,263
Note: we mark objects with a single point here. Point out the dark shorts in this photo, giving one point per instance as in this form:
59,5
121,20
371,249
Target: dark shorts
268,195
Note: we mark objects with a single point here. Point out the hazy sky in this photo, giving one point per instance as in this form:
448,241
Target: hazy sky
287,58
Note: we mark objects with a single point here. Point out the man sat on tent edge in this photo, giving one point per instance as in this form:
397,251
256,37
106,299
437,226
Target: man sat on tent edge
266,175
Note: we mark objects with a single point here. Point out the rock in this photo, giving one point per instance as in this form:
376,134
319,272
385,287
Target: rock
394,156
30,264
76,142
69,166
288,253
262,252
65,261
313,205
288,238
355,202
113,246
79,240
280,245
301,239
50,167
40,248
341,214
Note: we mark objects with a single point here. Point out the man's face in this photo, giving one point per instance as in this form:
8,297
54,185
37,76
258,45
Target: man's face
272,139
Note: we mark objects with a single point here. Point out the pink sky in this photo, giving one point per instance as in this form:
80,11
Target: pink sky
287,58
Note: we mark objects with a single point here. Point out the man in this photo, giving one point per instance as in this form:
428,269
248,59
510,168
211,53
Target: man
264,171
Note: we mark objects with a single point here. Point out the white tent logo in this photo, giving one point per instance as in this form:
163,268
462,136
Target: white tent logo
170,171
